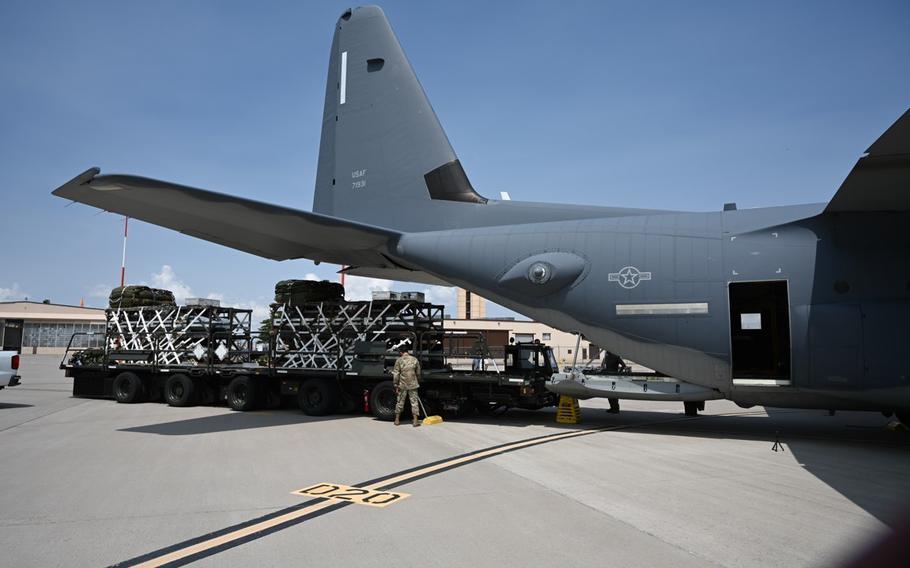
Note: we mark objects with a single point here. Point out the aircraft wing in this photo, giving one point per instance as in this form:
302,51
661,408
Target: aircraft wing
270,231
880,180
395,273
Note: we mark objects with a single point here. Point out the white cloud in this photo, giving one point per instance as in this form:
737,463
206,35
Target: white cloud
100,291
259,306
168,280
361,288
12,294
444,295
260,311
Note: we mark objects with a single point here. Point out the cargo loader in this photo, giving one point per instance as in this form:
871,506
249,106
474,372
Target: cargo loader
330,356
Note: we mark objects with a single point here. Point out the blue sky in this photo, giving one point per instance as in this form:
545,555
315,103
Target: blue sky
678,105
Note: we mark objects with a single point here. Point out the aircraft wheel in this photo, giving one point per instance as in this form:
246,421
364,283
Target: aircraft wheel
904,417
382,400
128,388
180,390
242,393
691,407
318,397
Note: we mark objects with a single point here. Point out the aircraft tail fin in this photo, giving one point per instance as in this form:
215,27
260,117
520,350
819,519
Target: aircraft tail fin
880,180
383,154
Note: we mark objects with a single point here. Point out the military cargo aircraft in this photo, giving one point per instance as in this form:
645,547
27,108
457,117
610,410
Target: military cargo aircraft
803,306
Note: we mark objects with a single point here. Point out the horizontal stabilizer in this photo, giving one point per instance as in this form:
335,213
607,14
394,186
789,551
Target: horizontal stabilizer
880,180
270,231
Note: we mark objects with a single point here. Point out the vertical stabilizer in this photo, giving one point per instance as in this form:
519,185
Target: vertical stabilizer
383,156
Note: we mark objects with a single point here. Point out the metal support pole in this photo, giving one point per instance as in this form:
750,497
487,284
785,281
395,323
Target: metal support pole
126,224
575,355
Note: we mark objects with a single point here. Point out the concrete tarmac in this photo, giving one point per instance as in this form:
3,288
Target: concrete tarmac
95,483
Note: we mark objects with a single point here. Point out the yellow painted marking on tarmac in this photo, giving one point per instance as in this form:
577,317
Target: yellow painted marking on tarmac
234,535
373,488
359,495
480,455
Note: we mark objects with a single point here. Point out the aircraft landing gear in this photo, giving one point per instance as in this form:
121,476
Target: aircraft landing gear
693,406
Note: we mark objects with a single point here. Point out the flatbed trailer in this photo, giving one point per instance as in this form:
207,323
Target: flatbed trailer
332,357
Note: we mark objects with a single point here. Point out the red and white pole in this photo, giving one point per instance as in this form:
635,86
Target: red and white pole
343,267
126,224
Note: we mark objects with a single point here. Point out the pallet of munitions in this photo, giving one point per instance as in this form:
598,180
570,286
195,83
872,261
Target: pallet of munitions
329,354
140,296
322,336
179,336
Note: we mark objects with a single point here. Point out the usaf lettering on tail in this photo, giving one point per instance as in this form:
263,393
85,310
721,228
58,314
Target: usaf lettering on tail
831,281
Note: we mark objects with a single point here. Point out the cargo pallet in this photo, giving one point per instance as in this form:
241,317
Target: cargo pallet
333,357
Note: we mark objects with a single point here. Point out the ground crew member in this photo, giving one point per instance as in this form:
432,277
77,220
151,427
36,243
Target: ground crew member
613,365
480,351
405,375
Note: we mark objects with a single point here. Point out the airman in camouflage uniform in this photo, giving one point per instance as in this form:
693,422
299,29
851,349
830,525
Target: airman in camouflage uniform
405,375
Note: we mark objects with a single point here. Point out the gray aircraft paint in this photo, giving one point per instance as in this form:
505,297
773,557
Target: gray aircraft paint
391,200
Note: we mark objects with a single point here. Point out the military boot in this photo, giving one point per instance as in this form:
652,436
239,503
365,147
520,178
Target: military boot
397,421
416,422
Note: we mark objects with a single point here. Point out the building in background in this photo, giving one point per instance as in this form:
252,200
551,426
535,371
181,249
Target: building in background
499,332
45,328
471,320
470,305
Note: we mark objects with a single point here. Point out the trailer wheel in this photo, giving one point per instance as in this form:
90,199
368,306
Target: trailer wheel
382,400
128,388
691,407
318,397
243,393
180,390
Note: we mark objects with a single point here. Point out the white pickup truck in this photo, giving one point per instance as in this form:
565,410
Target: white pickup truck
9,366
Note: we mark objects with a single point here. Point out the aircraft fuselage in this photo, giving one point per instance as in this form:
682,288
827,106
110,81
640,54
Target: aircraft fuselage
769,306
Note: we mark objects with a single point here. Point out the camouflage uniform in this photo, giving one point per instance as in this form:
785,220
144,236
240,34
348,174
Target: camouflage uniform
404,376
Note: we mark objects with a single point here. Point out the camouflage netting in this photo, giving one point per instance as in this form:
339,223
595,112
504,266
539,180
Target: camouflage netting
296,292
90,356
140,296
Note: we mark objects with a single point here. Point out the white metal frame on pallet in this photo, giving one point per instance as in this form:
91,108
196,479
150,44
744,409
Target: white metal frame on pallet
321,336
179,335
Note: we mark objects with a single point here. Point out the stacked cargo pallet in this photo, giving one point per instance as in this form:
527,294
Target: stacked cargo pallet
140,296
297,292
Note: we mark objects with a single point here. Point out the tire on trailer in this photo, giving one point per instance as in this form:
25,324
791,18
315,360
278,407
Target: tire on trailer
382,400
128,388
318,396
180,390
243,393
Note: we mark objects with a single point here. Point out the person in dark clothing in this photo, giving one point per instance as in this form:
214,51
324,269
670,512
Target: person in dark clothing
613,364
